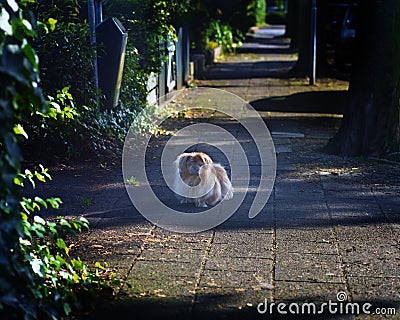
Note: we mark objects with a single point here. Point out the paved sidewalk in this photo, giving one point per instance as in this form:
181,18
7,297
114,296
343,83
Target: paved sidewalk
331,225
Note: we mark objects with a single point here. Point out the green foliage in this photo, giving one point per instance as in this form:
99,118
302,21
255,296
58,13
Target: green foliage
132,181
56,131
38,278
62,284
64,50
76,125
223,35
216,23
257,10
133,98
149,23
66,58
280,4
19,93
133,92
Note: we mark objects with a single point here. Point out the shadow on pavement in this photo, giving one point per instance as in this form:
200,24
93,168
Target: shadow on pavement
270,49
307,102
165,308
245,70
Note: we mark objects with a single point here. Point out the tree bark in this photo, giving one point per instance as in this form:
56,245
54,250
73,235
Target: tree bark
298,29
371,123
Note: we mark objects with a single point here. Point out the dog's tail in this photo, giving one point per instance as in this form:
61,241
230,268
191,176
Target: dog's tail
229,194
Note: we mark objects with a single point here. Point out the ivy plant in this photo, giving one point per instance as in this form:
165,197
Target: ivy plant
38,278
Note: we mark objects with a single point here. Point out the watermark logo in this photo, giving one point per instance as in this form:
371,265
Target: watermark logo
226,141
340,306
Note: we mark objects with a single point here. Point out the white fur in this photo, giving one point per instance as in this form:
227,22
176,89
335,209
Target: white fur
214,185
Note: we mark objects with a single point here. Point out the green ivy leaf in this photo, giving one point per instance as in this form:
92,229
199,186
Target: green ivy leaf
61,244
13,5
55,203
30,54
39,220
52,23
37,267
25,2
65,223
41,201
4,22
19,181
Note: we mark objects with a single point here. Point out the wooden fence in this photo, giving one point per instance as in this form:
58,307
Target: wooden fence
175,72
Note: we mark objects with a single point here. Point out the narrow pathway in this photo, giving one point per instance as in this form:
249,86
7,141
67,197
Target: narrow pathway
329,232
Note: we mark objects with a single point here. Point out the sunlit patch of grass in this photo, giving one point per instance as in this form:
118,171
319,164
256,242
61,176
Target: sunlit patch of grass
132,181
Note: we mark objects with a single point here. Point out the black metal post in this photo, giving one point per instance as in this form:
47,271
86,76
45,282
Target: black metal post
98,12
92,26
313,60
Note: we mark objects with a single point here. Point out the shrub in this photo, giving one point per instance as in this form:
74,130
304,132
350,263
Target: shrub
149,23
38,278
66,73
223,35
66,57
257,10
64,49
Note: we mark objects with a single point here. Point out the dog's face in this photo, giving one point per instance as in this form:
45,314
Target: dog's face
189,165
210,181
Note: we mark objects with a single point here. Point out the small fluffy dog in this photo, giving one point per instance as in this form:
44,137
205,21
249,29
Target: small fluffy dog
198,179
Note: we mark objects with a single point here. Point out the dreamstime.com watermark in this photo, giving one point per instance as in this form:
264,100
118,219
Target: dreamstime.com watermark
240,113
339,307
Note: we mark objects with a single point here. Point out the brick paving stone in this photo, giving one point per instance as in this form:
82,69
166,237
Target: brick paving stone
310,267
295,291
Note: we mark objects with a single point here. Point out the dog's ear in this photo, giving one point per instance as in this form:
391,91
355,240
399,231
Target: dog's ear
206,159
180,162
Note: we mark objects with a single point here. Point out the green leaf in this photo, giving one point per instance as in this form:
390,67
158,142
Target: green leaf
54,202
41,201
77,264
28,26
40,177
56,106
65,223
39,220
52,23
19,129
30,54
60,243
65,90
37,266
13,5
19,181
25,2
25,242
44,172
4,22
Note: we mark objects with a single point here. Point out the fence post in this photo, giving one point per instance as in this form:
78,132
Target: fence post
92,26
162,81
186,54
179,60
171,65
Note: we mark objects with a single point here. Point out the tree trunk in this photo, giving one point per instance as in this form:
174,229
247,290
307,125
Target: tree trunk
298,29
371,124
